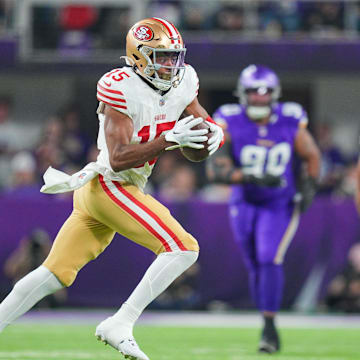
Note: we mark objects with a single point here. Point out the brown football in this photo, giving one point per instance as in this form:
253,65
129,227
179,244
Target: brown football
197,155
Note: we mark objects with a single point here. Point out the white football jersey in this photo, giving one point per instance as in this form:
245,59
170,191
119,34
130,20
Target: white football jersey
151,113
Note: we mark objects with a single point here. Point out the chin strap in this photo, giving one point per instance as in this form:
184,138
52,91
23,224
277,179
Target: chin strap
210,119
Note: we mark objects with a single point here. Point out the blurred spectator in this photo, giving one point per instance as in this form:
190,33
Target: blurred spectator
111,28
75,22
92,154
14,136
45,28
49,151
24,180
348,184
354,16
277,18
332,160
166,9
230,17
75,143
218,193
30,254
198,15
6,12
164,167
180,186
182,294
194,19
343,293
325,18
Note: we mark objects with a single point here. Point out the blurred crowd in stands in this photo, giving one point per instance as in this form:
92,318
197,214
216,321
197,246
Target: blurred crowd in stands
102,26
27,150
273,18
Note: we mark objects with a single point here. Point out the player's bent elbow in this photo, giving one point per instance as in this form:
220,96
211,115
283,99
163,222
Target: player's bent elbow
117,166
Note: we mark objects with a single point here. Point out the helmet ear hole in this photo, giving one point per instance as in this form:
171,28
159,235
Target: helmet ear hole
136,57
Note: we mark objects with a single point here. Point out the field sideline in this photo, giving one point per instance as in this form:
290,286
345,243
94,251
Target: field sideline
68,335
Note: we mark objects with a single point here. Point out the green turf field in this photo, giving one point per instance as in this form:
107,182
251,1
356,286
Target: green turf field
23,342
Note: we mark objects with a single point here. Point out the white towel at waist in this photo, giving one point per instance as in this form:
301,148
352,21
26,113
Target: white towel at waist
58,182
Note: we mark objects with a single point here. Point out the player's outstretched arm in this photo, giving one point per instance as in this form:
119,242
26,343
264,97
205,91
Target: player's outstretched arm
123,155
308,151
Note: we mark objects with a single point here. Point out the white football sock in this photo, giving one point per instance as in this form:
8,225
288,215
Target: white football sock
26,293
161,273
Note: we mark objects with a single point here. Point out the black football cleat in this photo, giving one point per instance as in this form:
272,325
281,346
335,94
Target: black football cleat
269,342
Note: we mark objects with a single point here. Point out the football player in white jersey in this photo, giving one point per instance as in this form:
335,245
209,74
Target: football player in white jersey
139,110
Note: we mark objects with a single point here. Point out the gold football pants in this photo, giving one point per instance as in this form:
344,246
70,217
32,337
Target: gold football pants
103,207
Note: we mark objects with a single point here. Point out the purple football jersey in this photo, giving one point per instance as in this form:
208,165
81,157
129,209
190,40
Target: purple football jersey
263,149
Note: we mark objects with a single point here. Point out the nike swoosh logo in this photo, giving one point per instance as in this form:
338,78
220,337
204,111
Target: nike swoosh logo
107,84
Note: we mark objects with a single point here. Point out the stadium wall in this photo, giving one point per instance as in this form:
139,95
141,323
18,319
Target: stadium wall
325,234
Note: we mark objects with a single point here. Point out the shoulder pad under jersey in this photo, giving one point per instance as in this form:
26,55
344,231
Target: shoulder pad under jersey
191,84
296,112
114,87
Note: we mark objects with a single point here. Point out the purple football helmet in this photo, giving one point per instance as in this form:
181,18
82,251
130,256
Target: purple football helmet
261,79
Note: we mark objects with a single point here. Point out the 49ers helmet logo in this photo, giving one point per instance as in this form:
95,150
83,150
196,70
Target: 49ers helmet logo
143,33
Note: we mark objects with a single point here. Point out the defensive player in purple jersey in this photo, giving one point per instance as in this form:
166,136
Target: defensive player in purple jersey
263,138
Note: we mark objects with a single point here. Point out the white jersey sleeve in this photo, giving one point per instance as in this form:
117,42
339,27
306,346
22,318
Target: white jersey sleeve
113,90
191,82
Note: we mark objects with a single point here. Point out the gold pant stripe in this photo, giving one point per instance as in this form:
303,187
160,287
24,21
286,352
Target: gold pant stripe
142,214
288,236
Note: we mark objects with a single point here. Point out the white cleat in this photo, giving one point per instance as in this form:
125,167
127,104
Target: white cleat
120,338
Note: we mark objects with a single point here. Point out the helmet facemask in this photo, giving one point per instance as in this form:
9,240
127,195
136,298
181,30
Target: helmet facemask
260,80
257,112
165,67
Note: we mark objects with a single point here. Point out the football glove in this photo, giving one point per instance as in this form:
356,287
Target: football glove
266,180
216,138
183,136
307,192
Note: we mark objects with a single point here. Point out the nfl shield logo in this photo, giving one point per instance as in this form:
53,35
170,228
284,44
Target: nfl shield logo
162,102
262,131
